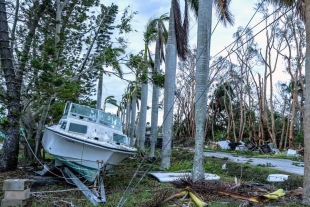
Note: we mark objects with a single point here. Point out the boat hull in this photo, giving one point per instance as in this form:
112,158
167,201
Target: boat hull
83,155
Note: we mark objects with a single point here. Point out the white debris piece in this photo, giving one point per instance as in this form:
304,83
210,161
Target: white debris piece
171,176
291,152
277,177
224,144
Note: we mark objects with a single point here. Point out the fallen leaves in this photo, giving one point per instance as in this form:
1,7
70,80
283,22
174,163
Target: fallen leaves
187,191
257,199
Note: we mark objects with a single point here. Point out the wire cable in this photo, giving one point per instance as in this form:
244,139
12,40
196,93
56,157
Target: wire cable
213,66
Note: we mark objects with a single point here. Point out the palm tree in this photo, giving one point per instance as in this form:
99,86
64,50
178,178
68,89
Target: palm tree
176,45
161,39
149,36
137,64
130,102
108,57
302,8
202,73
110,100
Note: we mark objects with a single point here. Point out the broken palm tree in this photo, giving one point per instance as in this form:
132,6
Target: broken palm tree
187,191
256,199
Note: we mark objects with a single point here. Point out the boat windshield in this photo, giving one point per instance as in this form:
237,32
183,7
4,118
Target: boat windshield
84,111
95,115
110,120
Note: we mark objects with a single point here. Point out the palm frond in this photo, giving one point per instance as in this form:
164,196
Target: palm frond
151,59
194,5
181,37
164,29
162,40
223,12
150,31
299,5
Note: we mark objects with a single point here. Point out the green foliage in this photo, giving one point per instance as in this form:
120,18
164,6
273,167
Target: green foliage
125,26
65,68
139,65
158,78
56,111
3,124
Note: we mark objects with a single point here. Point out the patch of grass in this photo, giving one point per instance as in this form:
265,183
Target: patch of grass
149,191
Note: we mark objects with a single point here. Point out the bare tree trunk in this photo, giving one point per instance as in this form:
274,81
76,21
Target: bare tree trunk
306,184
41,125
9,156
286,134
283,124
13,79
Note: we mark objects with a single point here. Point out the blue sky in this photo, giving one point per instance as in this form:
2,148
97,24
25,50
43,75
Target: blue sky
242,10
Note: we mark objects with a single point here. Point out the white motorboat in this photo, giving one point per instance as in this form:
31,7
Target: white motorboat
87,140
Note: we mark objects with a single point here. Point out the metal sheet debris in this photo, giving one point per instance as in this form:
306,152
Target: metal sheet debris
171,176
224,144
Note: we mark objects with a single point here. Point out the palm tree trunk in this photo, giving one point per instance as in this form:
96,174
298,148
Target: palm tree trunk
127,124
170,74
202,73
155,100
99,91
306,184
133,117
142,116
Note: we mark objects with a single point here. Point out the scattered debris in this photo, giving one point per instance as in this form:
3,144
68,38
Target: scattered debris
239,196
256,199
187,191
231,145
275,195
177,195
241,146
259,186
265,149
197,201
277,177
296,192
171,176
224,144
291,152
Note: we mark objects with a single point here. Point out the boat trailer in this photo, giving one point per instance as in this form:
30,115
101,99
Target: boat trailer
95,195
